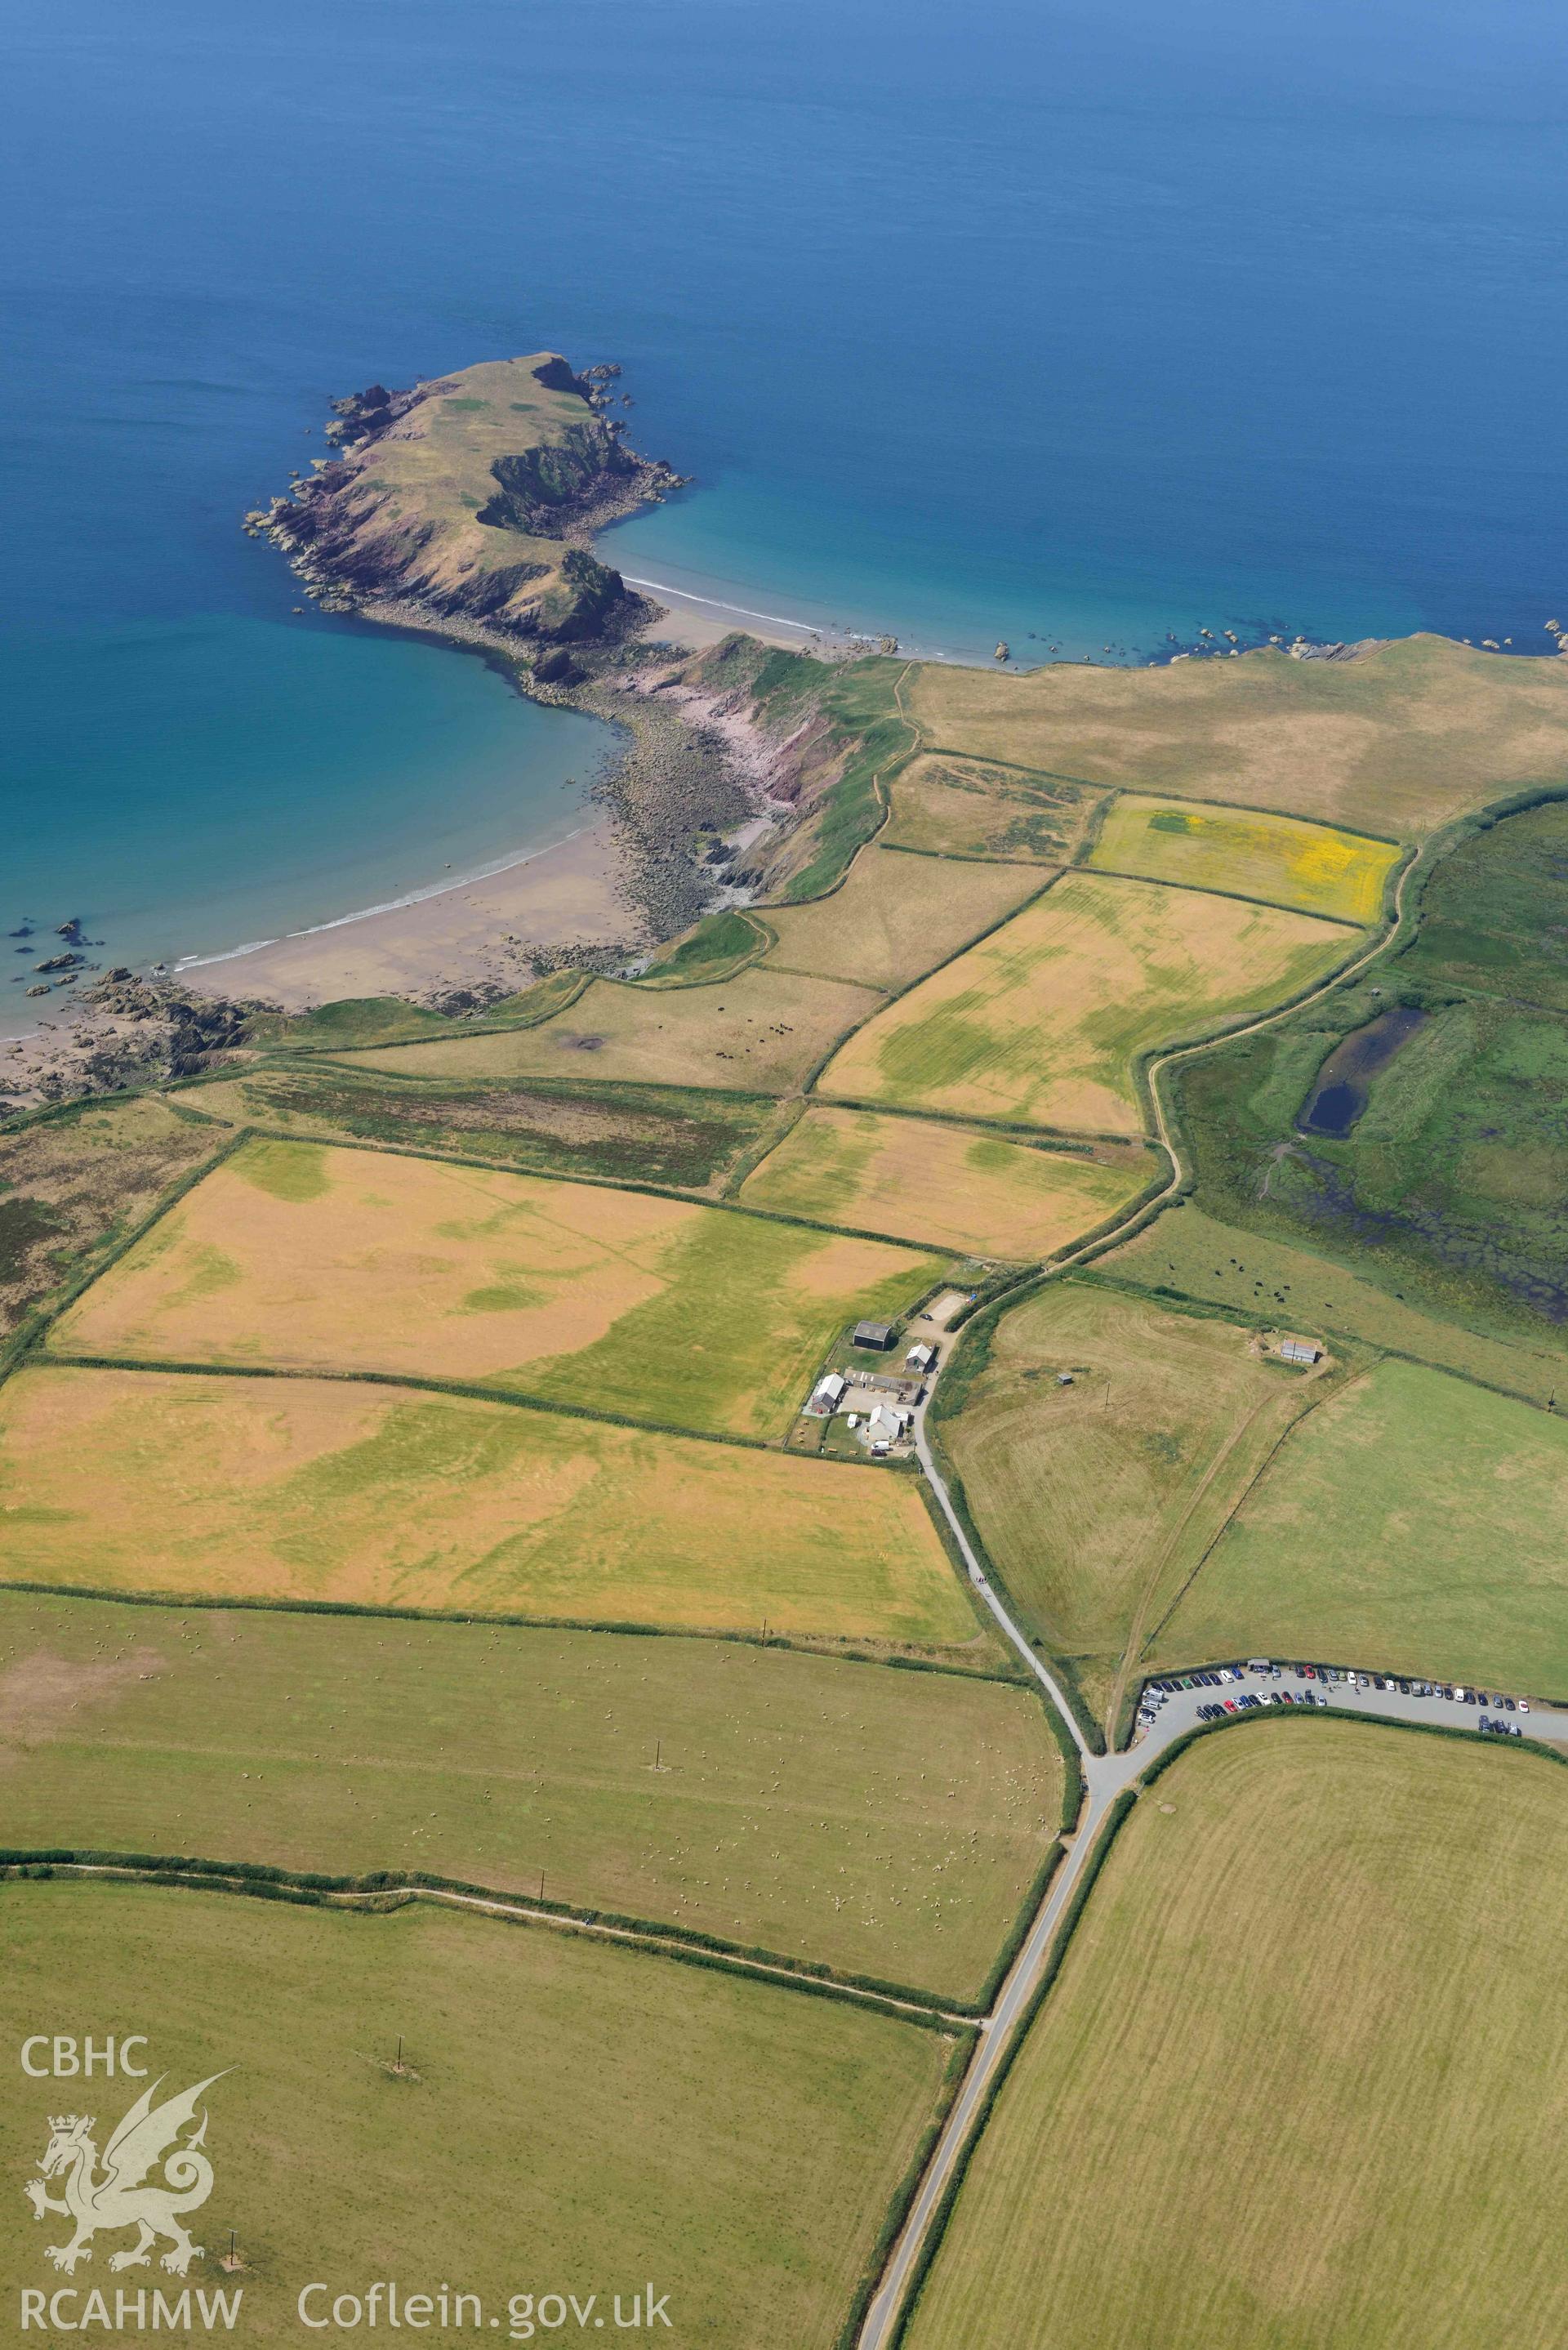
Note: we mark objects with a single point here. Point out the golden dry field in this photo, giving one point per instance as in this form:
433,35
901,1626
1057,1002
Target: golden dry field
1098,1500
332,1490
760,1031
573,2118
1043,1023
1300,2080
303,1256
894,917
950,1185
1311,866
1398,739
953,806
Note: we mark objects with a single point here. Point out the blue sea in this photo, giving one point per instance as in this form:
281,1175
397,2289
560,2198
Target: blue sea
1079,325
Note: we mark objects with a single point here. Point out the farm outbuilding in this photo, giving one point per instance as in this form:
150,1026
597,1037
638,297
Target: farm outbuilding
875,1335
1299,1350
919,1361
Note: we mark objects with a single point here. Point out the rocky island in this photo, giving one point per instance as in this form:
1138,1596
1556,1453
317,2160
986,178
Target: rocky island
473,498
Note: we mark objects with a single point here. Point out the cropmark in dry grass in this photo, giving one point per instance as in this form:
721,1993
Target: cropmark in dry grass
328,1490
306,1257
759,1032
1043,1023
947,1184
894,917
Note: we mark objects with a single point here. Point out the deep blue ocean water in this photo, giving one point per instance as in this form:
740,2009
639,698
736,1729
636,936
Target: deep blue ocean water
1076,324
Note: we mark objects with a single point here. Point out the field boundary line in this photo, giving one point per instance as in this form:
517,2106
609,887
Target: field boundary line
1213,890
795,1644
662,1941
685,1196
27,1340
1182,799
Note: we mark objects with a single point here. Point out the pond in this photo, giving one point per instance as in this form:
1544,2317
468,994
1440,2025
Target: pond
1340,1089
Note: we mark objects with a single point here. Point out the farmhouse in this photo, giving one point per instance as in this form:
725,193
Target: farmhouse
875,1335
887,1423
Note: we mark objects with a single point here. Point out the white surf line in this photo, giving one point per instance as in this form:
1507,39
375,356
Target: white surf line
745,612
387,906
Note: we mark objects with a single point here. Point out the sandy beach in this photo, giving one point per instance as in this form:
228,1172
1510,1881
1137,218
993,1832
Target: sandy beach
475,932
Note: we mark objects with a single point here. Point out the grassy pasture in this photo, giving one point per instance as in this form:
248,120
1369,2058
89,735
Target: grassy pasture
949,806
1190,1254
1415,1521
885,1823
947,1184
1313,867
1494,912
717,945
640,1134
1300,2080
330,1489
305,1257
72,1186
1450,1190
1098,1500
1399,740
576,2118
1043,1023
759,1030
894,917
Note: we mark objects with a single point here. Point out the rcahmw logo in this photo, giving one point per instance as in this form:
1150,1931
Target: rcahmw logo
152,2174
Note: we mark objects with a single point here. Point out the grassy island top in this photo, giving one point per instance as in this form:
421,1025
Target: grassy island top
467,493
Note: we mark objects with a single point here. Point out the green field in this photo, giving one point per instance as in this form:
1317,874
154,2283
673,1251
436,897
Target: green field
302,1256
1414,1522
1452,1190
1298,2082
1044,1022
894,917
1494,912
631,1134
1191,1255
953,1185
334,1489
1399,740
880,1822
1312,867
717,946
573,2118
1098,1500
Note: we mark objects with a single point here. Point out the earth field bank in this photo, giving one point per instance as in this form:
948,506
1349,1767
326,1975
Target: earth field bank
622,2118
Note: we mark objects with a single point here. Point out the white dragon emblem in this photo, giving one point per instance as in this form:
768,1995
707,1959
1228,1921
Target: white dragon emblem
117,2198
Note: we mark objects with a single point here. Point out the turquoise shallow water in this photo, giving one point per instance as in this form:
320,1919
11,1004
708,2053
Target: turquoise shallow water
1075,325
